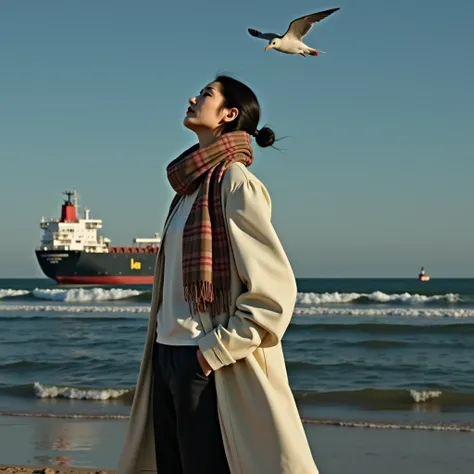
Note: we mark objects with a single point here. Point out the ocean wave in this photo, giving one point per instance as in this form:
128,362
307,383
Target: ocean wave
456,427
371,397
9,293
375,344
77,295
453,427
376,297
307,367
74,309
384,312
384,328
44,391
85,295
52,391
456,313
22,365
388,398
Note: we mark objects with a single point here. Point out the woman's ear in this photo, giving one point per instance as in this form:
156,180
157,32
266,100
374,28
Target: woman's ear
231,115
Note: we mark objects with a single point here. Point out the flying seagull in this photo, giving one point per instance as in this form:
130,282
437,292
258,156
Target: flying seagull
292,41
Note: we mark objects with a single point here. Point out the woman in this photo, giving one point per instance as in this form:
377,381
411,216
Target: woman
213,394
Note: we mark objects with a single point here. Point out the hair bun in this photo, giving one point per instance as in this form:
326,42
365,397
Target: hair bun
265,137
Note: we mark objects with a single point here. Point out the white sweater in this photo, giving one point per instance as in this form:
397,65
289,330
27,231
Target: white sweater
175,325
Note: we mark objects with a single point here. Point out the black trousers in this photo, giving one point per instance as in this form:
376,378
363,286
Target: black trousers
188,438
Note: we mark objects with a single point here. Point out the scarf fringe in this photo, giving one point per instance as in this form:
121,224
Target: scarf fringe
202,297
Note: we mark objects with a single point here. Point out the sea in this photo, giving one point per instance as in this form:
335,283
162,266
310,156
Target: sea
375,353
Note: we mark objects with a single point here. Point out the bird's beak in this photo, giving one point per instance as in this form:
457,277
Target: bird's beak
268,47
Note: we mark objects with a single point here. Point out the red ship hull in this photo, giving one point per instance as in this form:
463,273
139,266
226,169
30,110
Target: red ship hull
117,267
105,280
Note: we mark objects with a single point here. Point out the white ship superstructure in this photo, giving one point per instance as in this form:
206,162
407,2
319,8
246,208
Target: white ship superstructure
71,232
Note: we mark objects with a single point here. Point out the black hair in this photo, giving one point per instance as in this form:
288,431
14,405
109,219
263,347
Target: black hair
238,95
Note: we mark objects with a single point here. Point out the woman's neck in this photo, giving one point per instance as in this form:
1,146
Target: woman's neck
206,138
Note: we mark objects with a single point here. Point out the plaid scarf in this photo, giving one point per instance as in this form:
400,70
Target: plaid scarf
206,258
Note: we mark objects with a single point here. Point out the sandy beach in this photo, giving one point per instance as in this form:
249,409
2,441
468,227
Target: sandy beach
90,446
48,470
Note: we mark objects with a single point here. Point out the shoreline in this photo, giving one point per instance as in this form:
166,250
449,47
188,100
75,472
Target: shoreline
375,424
19,469
69,446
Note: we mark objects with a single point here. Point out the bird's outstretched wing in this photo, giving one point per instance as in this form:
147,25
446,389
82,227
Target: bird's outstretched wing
264,36
299,28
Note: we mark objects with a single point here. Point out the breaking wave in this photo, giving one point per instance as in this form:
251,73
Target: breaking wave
387,398
385,312
450,427
370,397
84,295
376,297
456,427
45,391
74,309
456,313
77,295
7,293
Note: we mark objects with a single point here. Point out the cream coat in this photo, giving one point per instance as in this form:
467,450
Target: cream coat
261,427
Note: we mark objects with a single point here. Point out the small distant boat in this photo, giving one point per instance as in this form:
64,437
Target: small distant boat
422,276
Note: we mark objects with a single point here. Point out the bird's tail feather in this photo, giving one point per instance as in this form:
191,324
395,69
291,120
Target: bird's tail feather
315,52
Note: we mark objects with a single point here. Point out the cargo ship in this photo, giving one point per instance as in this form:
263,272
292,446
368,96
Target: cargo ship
71,251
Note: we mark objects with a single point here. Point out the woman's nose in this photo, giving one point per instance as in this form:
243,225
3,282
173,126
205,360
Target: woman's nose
192,100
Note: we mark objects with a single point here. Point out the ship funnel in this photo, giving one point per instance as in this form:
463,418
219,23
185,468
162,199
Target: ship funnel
68,209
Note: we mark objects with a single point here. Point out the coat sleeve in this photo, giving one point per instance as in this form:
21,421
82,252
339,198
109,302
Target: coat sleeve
264,310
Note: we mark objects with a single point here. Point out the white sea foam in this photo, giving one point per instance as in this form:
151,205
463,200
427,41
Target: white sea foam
73,309
376,297
327,298
110,294
384,312
460,428
394,426
8,293
84,295
425,395
51,391
299,311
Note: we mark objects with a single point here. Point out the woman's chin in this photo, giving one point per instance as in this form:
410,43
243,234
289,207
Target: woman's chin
188,123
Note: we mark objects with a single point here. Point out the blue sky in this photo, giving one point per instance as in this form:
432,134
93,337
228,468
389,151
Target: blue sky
375,175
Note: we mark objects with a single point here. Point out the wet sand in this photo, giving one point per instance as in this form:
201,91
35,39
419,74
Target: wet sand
89,446
47,470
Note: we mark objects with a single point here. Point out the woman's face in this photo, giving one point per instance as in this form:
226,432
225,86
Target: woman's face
205,112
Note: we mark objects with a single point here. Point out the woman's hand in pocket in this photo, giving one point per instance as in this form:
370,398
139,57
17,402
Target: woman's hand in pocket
206,368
